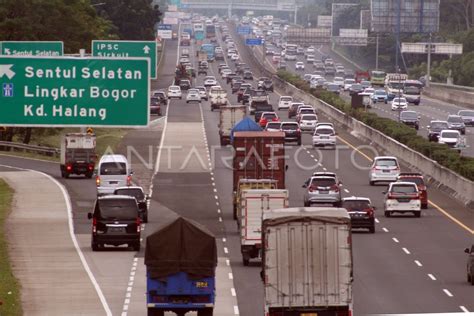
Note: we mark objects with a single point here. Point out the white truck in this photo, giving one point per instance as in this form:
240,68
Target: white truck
78,154
229,116
307,261
217,97
253,204
394,83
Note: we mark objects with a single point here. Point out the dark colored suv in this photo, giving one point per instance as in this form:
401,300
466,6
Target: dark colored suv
115,221
410,118
140,196
361,211
292,132
435,128
416,178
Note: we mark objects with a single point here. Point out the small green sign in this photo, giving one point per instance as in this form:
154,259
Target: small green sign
126,49
26,48
64,92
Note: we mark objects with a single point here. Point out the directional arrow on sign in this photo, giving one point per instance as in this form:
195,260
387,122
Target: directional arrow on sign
7,51
146,49
6,70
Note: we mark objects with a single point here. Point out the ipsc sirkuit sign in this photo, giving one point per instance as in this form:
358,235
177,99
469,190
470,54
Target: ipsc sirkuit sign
34,48
126,49
65,92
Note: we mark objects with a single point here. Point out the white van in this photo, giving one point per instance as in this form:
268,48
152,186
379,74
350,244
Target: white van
112,172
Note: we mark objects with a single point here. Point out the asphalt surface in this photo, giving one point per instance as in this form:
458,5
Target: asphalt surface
410,265
429,109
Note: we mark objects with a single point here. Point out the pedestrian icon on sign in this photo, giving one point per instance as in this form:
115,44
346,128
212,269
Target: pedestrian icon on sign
7,89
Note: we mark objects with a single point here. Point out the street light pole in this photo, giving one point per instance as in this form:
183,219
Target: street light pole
428,65
377,52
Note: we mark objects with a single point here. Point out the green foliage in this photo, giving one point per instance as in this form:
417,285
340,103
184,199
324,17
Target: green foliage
133,19
73,21
398,131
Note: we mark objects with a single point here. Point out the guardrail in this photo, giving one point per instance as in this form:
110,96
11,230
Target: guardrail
43,150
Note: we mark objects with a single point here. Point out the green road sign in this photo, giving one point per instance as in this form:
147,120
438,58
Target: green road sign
126,49
16,48
62,92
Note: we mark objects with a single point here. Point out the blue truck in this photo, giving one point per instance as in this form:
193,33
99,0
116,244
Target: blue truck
180,260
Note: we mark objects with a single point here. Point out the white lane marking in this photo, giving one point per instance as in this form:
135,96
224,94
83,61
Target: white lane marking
67,199
395,240
385,229
236,310
217,203
218,210
226,250
312,156
216,197
406,250
231,276
224,240
345,190
215,190
448,293
432,277
220,219
227,262
418,263
324,168
377,221
464,309
232,292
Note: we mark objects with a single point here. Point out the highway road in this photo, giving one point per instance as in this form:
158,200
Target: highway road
410,265
429,109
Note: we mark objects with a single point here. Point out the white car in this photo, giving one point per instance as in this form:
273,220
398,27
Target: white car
308,122
202,92
225,72
174,92
370,91
384,169
284,102
402,197
449,137
193,96
234,57
348,83
310,59
324,124
309,50
339,81
299,65
210,81
273,127
324,136
399,104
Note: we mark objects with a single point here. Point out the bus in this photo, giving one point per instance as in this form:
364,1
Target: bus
198,27
412,91
188,28
377,77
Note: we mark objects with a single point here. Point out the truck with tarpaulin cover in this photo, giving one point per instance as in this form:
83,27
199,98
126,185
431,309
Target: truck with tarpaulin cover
78,155
181,260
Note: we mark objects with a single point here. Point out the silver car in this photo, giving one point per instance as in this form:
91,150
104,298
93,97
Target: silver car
456,122
384,169
308,122
322,189
193,96
467,116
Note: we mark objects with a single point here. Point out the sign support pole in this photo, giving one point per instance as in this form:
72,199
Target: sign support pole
377,52
428,64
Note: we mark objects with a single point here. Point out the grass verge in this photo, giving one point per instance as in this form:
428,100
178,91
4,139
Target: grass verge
10,303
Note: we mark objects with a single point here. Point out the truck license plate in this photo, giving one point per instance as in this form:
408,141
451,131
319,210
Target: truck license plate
309,314
201,284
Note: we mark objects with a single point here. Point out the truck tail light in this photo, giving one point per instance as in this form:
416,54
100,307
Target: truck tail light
68,167
139,224
94,225
129,180
91,167
97,181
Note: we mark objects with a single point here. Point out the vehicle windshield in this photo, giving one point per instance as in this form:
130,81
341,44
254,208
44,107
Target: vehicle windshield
292,127
449,135
466,113
396,85
269,115
380,92
309,118
402,188
412,90
155,100
356,86
136,193
325,182
113,168
439,125
416,180
274,125
355,204
455,119
324,131
386,163
349,81
118,209
409,115
286,99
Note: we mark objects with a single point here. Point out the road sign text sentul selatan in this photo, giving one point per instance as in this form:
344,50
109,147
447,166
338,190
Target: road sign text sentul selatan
127,49
74,92
32,48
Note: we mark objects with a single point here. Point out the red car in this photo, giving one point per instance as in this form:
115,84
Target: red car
416,178
268,117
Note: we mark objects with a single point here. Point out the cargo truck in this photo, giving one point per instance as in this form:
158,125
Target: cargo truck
394,83
181,259
78,154
307,262
253,204
248,184
229,116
